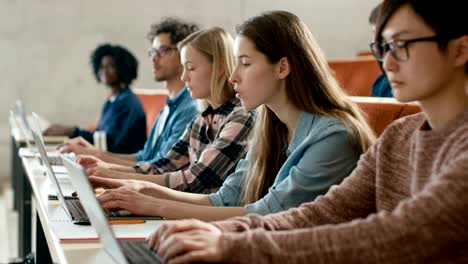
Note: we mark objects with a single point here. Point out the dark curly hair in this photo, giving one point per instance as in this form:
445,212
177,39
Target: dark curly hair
125,63
177,28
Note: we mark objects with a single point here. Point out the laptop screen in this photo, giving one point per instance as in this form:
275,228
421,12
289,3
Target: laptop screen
93,209
49,171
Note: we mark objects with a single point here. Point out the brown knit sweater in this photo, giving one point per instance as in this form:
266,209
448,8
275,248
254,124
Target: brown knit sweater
406,202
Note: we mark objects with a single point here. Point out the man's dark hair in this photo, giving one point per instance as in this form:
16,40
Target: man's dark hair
125,63
177,29
447,18
374,14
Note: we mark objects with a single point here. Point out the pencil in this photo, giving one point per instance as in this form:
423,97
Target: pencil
126,222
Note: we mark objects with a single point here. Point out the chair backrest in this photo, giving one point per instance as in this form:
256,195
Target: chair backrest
153,102
356,75
380,112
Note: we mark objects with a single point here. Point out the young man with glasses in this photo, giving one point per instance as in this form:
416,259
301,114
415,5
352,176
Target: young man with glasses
407,199
178,111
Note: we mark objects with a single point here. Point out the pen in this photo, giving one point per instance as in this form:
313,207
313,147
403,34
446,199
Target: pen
126,222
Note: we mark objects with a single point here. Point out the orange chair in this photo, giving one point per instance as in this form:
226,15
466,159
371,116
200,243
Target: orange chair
153,102
380,112
356,75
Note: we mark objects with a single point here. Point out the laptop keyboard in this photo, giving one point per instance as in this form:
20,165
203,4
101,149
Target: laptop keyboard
55,161
76,209
79,214
137,251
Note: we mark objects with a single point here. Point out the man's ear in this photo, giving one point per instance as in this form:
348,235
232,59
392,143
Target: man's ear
461,51
284,68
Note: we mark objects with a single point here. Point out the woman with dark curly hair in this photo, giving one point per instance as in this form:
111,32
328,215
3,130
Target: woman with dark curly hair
122,119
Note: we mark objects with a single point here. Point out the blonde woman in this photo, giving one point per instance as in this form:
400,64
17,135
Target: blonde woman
215,140
308,135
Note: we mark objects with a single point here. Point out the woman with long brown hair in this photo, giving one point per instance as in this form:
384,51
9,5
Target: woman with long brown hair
308,134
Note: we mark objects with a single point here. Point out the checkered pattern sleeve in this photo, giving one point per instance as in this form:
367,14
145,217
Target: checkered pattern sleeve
218,159
177,157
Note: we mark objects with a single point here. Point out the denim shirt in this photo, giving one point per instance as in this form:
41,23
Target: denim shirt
182,110
381,87
319,156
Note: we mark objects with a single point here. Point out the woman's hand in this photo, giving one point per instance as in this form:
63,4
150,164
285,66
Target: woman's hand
135,185
130,200
187,241
78,146
88,161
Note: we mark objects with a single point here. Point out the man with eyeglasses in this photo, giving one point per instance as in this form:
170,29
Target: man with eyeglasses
178,111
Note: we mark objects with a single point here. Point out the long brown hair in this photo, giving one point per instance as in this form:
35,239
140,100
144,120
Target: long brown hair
217,45
311,87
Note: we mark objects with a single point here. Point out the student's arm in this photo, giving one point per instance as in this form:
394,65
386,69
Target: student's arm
118,126
124,175
177,158
323,162
115,158
180,122
217,159
422,226
360,185
140,204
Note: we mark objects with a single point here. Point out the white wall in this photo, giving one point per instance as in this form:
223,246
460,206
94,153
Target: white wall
45,45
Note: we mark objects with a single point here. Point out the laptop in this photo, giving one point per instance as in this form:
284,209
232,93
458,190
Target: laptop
72,205
53,158
66,187
26,132
121,251
23,127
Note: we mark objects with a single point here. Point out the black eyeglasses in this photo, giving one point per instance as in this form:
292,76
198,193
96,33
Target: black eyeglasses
398,48
162,51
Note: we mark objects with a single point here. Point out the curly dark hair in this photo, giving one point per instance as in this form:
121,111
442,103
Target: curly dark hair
125,62
177,28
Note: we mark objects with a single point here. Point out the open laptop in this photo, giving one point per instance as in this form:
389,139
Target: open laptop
60,189
73,207
23,127
122,251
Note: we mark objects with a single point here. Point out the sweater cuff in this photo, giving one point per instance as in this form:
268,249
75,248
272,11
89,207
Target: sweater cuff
233,247
226,226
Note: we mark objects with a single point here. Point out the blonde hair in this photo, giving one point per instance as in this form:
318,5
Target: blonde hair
311,87
217,45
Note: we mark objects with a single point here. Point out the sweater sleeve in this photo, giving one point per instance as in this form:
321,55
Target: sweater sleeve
418,228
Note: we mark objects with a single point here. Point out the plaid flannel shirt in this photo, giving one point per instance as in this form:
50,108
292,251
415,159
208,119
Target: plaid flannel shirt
208,150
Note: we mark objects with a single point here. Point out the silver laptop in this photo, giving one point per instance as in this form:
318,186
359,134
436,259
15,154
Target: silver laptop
23,127
72,205
122,251
59,190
